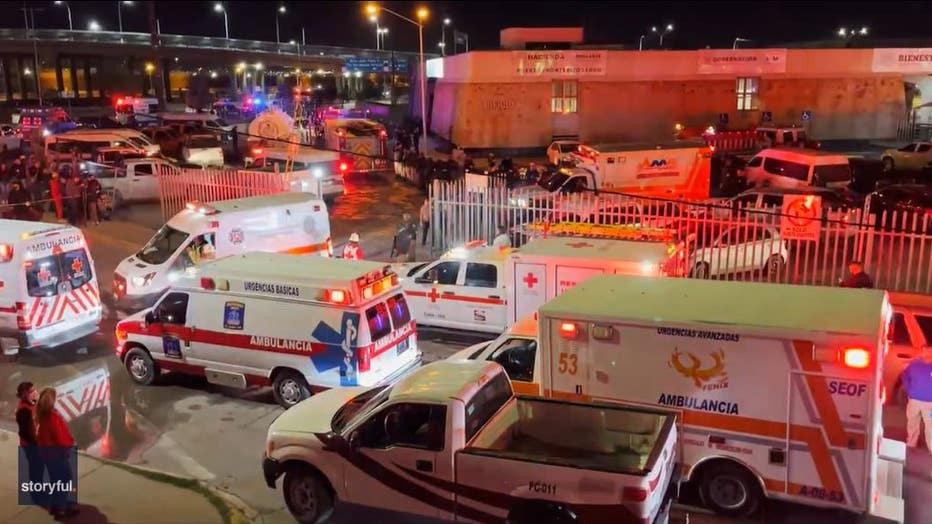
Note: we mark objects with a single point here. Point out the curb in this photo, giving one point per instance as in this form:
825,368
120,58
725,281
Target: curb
232,509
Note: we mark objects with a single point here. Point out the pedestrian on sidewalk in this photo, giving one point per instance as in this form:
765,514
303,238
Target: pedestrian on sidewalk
55,191
917,382
28,396
857,278
425,220
352,251
56,443
93,191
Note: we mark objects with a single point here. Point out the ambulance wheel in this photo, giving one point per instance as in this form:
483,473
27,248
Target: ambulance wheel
307,496
140,366
729,489
774,266
700,270
289,388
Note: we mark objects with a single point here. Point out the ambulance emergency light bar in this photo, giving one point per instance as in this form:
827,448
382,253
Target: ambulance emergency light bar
198,207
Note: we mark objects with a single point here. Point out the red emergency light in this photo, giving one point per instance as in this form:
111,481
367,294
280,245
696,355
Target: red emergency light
208,284
337,296
858,358
344,167
6,252
569,330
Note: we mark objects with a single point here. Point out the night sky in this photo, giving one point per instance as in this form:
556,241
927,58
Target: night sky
697,24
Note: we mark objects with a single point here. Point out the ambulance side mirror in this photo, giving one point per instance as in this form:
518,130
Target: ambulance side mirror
150,318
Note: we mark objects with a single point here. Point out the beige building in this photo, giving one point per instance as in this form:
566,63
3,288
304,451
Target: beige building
521,98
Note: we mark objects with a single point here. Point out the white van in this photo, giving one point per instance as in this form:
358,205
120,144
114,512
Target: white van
88,142
202,149
294,223
140,109
300,324
797,168
311,170
48,286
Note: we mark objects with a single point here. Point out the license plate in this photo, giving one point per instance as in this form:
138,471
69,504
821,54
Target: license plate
402,347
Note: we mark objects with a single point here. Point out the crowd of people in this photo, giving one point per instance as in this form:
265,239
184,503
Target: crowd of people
47,445
30,187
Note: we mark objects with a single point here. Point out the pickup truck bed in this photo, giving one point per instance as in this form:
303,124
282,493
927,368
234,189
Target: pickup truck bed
604,438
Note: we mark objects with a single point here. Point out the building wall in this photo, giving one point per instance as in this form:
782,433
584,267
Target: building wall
483,101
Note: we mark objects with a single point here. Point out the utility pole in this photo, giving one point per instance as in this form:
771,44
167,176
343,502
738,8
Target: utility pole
155,42
37,66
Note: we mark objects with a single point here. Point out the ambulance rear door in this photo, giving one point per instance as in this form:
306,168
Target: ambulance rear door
566,365
528,289
830,406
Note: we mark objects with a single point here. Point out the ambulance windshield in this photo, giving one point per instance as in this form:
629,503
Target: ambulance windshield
161,247
45,276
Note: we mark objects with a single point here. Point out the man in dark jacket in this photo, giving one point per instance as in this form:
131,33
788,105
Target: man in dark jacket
20,199
857,277
28,396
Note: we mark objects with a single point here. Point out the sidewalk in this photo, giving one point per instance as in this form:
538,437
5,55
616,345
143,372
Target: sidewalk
116,493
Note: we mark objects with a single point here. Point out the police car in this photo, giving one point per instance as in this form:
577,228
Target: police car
301,324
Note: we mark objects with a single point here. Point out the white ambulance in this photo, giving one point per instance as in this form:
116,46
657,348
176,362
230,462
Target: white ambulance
294,223
48,286
301,324
779,386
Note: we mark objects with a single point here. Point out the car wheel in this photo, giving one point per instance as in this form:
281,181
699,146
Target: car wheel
306,496
729,489
888,165
774,266
700,270
140,366
289,388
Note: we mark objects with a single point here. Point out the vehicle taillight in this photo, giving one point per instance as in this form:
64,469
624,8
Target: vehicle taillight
22,322
633,494
858,358
6,252
363,359
208,284
337,296
120,334
344,167
568,330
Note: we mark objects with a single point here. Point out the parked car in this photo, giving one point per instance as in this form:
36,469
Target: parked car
169,139
767,202
737,250
911,157
784,167
202,150
894,206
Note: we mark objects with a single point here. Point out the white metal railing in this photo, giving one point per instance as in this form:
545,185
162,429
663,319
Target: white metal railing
178,186
712,239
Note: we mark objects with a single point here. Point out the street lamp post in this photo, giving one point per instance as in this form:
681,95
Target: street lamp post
218,7
641,43
378,31
382,32
422,13
120,14
280,11
443,37
68,8
150,68
734,45
666,30
93,26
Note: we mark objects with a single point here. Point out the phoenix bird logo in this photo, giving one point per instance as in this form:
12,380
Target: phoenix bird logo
701,375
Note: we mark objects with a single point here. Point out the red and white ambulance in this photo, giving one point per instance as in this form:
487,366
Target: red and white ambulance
48,286
301,324
778,387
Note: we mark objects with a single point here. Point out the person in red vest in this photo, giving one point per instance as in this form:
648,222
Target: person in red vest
54,438
352,251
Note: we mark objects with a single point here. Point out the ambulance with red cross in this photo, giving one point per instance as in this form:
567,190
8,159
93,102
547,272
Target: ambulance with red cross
482,288
300,324
48,286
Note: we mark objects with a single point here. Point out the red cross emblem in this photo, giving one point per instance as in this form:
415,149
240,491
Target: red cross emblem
578,245
44,275
433,295
77,266
530,280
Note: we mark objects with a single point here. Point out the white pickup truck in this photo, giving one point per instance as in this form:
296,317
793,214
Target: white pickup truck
132,181
451,441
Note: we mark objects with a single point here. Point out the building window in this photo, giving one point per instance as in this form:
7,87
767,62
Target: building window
563,96
747,93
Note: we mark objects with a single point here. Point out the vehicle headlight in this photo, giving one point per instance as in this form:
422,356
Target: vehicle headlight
143,281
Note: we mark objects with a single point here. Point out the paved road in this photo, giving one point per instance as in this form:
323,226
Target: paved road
185,426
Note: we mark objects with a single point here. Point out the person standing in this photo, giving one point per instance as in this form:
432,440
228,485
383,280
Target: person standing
28,396
72,198
502,241
55,441
56,194
404,243
352,251
857,278
425,220
93,191
19,199
917,383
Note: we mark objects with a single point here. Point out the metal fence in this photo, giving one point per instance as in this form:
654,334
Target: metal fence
178,186
710,240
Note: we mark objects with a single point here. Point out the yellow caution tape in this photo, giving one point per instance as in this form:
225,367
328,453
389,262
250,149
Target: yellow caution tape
617,232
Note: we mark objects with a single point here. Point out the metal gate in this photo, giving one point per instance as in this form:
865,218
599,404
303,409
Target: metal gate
716,240
178,186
